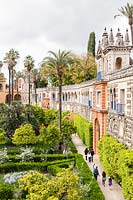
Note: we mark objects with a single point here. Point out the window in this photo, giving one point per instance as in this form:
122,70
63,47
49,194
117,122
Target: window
118,63
98,102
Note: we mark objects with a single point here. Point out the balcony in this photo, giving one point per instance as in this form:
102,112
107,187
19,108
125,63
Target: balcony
120,109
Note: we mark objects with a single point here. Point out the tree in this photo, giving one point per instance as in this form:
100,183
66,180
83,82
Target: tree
58,62
127,11
10,58
91,44
36,77
17,75
49,136
29,64
24,135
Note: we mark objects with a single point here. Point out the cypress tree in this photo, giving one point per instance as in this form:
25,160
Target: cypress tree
91,44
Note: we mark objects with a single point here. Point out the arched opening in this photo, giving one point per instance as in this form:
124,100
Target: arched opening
1,87
96,134
118,63
8,98
17,97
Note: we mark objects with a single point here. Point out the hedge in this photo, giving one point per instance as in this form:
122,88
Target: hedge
84,130
117,161
6,191
22,166
87,178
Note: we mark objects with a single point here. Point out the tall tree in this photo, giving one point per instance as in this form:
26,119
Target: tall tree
10,58
58,61
35,77
127,11
29,64
91,44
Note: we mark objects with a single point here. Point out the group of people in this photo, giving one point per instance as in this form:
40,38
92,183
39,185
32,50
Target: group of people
89,153
104,178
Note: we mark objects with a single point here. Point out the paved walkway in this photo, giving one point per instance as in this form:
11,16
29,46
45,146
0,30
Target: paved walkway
116,192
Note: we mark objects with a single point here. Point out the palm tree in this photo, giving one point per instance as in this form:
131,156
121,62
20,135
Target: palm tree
10,58
29,64
17,75
127,11
36,77
57,62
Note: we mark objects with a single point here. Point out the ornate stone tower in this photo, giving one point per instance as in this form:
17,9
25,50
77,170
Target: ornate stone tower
112,92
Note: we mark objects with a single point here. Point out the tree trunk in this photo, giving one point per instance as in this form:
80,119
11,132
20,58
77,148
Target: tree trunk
35,86
9,95
131,28
12,86
60,102
29,87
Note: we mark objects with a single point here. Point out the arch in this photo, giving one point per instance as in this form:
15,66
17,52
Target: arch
17,97
8,98
1,87
118,63
96,133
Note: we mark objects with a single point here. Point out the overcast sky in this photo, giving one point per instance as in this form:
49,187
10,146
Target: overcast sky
36,26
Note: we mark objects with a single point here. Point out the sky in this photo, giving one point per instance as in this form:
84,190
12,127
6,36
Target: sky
33,27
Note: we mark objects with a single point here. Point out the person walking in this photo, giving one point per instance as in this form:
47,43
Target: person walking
110,183
86,152
96,173
103,178
92,154
89,156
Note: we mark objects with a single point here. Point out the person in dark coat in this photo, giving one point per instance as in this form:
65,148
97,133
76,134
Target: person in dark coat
92,154
86,152
96,173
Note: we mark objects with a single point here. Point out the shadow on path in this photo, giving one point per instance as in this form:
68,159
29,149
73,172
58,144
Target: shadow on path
116,192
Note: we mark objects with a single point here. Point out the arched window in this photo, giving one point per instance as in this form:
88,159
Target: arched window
1,87
118,63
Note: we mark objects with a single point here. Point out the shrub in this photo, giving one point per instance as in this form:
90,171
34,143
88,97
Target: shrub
6,191
3,155
117,161
84,129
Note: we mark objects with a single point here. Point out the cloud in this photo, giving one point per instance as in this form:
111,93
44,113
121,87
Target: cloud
37,26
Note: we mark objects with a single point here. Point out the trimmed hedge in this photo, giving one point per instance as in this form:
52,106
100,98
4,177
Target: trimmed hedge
22,166
87,178
117,161
84,130
6,191
43,157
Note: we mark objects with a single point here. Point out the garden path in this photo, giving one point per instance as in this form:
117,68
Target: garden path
116,192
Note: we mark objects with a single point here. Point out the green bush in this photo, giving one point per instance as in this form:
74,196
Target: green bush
117,161
84,129
23,166
6,191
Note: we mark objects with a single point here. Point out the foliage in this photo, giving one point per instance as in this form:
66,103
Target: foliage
67,129
39,186
87,180
26,154
3,155
117,161
24,135
49,136
6,191
91,44
3,138
12,178
39,114
84,129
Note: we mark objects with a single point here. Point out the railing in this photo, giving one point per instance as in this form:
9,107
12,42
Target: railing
113,105
120,109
